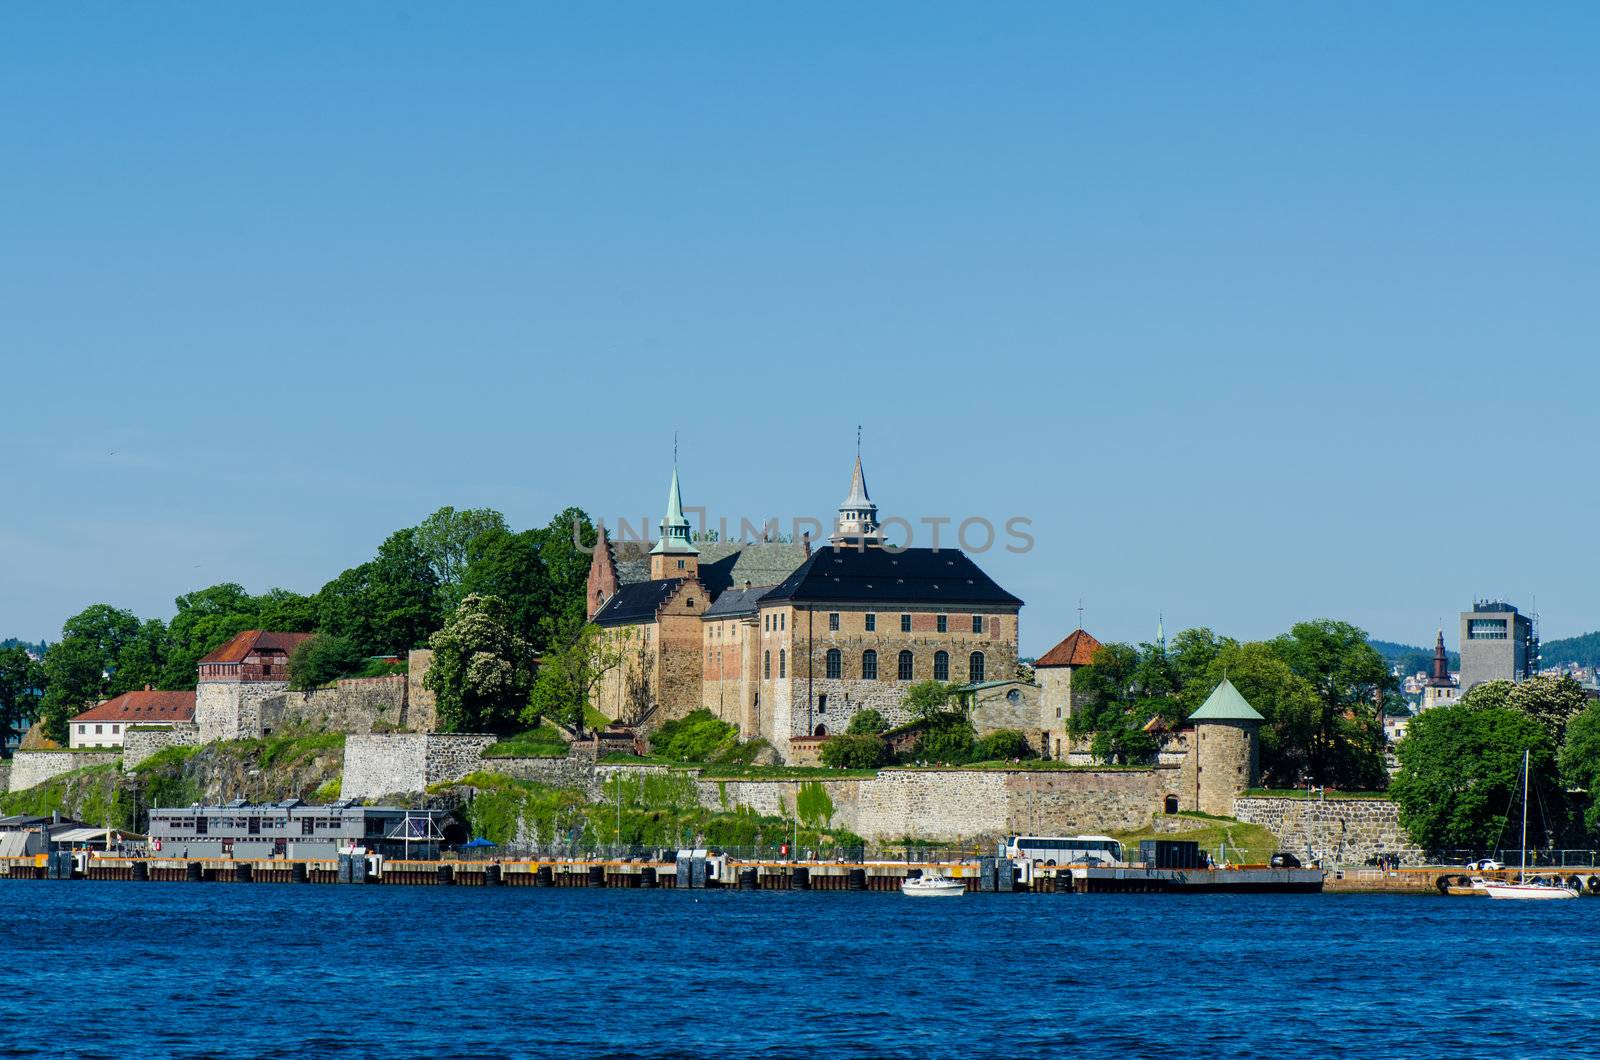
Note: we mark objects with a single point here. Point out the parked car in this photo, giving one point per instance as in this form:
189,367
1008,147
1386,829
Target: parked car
1285,860
1486,865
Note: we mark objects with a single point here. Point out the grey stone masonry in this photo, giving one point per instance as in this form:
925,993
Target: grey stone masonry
29,769
1339,831
381,764
140,744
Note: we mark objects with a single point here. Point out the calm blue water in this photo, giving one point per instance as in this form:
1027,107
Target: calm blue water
124,969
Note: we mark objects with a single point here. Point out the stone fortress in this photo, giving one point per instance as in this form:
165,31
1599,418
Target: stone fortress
787,641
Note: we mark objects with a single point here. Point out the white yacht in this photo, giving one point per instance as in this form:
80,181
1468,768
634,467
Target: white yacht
933,885
1525,888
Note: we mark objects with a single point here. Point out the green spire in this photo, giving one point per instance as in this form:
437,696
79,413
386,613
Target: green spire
674,527
1226,704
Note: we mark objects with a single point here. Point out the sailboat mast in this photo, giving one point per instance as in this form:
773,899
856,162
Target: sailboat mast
1523,877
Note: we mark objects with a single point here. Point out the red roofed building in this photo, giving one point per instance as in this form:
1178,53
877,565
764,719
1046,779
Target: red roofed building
105,724
1053,671
237,680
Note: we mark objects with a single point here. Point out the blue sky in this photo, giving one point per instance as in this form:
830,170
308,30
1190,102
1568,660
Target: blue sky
1258,312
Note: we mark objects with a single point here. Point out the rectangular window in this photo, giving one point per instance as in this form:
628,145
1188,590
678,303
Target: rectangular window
872,622
202,825
833,621
783,621
1486,629
82,729
977,623
308,825
822,704
943,623
97,730
905,623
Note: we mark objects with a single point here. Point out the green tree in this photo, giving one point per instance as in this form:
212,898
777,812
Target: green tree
1550,699
566,549
322,660
507,565
1002,745
1580,764
1351,681
570,675
867,722
445,539
1458,779
855,751
387,605
142,658
1286,700
481,671
109,629
75,677
926,700
283,611
21,682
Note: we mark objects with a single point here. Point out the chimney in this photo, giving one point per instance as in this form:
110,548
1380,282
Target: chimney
147,688
805,541
747,584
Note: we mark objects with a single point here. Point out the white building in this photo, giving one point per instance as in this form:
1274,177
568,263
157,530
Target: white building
106,724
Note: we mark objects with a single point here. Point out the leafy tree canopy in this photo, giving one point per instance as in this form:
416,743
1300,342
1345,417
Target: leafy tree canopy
481,671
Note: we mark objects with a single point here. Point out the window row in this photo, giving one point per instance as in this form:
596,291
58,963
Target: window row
83,729
905,666
941,623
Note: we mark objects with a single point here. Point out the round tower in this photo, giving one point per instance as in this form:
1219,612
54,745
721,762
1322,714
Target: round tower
1226,750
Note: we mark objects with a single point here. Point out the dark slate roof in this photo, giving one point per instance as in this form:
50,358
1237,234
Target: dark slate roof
736,602
913,576
723,564
636,603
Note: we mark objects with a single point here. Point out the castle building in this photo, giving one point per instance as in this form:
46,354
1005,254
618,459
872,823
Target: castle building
1053,671
237,679
1440,691
790,642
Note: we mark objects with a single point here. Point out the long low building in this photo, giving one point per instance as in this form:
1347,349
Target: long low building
293,829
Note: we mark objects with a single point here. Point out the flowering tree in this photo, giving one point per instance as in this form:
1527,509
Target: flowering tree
481,670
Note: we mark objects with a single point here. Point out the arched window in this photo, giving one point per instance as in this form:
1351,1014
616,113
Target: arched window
835,664
783,663
869,665
905,666
766,664
822,730
941,666
975,667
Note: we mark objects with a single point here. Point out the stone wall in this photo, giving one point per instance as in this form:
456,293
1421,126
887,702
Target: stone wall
422,708
235,710
32,768
354,705
140,744
5,776
955,804
1340,831
382,764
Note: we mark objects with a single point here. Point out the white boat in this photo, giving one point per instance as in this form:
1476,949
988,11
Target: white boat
933,885
1525,888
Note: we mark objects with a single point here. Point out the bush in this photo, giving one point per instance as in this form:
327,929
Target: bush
322,660
949,739
860,751
698,736
867,722
1002,744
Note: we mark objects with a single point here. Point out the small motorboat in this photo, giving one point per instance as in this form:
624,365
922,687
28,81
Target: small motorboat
1529,889
933,885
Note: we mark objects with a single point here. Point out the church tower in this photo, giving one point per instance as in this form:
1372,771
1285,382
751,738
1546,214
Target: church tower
674,554
858,517
1440,690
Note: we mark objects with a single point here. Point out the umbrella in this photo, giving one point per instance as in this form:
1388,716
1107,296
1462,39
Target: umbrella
477,844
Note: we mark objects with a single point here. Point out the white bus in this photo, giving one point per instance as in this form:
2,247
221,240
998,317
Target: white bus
1065,849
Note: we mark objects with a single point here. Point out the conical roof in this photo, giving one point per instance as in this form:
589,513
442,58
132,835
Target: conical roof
674,527
858,489
1226,704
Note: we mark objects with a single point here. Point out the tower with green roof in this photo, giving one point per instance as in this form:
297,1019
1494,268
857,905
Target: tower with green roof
1225,751
674,554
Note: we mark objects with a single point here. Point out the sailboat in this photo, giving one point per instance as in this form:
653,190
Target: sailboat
1525,888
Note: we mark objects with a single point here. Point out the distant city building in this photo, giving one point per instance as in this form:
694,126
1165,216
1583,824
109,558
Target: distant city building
106,724
1497,644
1440,690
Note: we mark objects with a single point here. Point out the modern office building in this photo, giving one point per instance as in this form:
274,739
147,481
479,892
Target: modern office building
1498,643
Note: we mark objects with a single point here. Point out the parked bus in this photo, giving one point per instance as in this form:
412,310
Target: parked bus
1065,849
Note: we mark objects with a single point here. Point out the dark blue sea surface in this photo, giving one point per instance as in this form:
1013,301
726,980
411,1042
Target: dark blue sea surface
139,969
